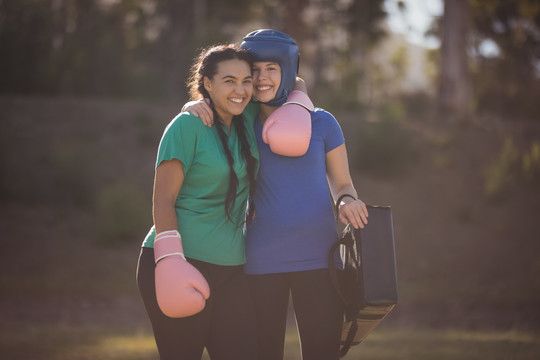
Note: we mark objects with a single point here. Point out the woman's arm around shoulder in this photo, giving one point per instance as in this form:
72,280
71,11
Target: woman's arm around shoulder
200,108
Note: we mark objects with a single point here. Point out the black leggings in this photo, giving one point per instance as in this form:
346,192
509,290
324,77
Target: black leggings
225,327
317,307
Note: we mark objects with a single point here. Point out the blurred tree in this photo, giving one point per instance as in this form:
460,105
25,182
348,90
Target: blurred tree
455,88
502,49
108,47
76,47
143,48
342,35
188,25
294,24
23,47
506,49
363,20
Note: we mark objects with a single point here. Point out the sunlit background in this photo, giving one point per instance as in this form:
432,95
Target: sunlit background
439,102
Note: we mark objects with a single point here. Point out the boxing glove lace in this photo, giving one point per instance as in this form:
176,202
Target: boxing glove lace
181,290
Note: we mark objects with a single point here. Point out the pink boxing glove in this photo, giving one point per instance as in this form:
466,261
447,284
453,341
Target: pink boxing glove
181,290
288,129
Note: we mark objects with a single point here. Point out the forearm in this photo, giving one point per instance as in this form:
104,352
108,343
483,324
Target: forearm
342,190
354,210
164,217
190,104
167,184
339,177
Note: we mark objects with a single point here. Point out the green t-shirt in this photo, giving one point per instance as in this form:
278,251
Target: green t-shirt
207,234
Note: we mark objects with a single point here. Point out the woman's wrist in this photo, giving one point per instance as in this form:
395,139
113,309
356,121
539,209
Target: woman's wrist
341,199
345,196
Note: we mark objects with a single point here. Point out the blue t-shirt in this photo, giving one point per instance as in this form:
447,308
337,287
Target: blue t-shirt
294,225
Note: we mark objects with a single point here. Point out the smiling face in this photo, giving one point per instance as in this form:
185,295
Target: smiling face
266,80
230,88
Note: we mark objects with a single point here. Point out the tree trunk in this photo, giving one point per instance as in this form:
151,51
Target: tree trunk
455,92
294,25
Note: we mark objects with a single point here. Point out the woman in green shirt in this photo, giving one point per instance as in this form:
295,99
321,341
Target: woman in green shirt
204,178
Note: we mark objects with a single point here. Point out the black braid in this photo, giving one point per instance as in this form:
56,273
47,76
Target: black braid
230,199
251,162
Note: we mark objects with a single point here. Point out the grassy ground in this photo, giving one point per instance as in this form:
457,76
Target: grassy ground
82,343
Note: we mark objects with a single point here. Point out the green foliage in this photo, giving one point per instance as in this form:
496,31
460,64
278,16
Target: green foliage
501,173
400,61
123,214
384,148
531,164
512,166
74,164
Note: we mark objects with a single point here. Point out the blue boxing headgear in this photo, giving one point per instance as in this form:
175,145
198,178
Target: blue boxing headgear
275,46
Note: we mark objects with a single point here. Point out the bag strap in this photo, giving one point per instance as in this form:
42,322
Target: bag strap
350,337
347,240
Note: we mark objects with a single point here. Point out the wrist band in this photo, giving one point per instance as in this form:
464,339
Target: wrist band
344,196
168,243
171,254
341,198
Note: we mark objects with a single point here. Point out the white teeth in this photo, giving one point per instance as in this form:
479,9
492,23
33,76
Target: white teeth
262,88
237,100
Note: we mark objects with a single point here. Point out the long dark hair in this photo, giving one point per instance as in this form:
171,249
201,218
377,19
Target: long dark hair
206,66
